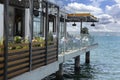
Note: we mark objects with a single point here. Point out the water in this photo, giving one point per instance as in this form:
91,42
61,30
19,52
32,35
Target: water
105,62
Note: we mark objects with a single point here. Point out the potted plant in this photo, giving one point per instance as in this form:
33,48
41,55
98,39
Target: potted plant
40,42
1,44
85,30
17,41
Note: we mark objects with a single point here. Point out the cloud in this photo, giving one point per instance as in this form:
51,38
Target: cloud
58,2
96,3
117,1
105,19
100,28
79,7
114,11
73,28
52,1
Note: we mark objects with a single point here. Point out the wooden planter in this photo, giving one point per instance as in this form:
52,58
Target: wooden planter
1,63
52,52
38,55
18,60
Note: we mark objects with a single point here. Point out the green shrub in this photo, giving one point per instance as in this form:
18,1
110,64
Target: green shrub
1,41
17,39
39,40
85,30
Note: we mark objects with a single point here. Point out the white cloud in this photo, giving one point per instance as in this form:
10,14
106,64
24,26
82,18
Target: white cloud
105,19
96,3
111,27
100,28
73,28
114,11
117,1
58,2
78,7
54,1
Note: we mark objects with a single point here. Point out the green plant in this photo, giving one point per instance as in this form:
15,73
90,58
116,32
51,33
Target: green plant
40,40
85,30
1,44
1,41
17,39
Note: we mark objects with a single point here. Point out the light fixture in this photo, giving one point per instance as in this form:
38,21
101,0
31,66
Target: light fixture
20,0
36,13
74,24
93,24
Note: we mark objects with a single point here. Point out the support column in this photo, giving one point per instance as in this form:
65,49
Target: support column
77,65
46,31
80,26
30,33
59,74
6,24
87,57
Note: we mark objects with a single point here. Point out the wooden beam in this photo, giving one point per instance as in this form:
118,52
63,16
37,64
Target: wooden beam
86,17
79,14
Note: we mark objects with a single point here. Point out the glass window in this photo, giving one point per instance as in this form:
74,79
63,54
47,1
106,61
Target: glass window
37,26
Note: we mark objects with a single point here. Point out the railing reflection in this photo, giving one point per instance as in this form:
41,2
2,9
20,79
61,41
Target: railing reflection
75,42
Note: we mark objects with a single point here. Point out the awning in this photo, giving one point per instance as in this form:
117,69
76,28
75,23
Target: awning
22,3
85,17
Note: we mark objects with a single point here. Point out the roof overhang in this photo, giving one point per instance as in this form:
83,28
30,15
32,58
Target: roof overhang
22,3
85,17
25,3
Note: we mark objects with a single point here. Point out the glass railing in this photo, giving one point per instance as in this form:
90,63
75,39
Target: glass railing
86,40
75,42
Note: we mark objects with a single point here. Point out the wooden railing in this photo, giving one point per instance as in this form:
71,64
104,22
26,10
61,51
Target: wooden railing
19,60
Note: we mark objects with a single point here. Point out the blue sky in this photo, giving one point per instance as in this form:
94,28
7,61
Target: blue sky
108,12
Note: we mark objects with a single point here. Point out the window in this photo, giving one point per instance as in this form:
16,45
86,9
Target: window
37,26
16,22
19,25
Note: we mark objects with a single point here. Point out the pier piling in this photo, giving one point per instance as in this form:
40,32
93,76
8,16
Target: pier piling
59,74
77,64
87,57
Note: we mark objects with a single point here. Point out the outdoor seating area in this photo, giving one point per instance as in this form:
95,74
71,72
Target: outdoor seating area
21,51
34,34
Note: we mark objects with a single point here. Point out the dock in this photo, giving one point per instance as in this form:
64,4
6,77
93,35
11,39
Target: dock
34,42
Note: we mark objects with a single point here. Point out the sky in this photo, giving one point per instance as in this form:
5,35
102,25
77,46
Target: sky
107,11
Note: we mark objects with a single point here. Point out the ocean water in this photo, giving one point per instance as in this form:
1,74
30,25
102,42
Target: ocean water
105,61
